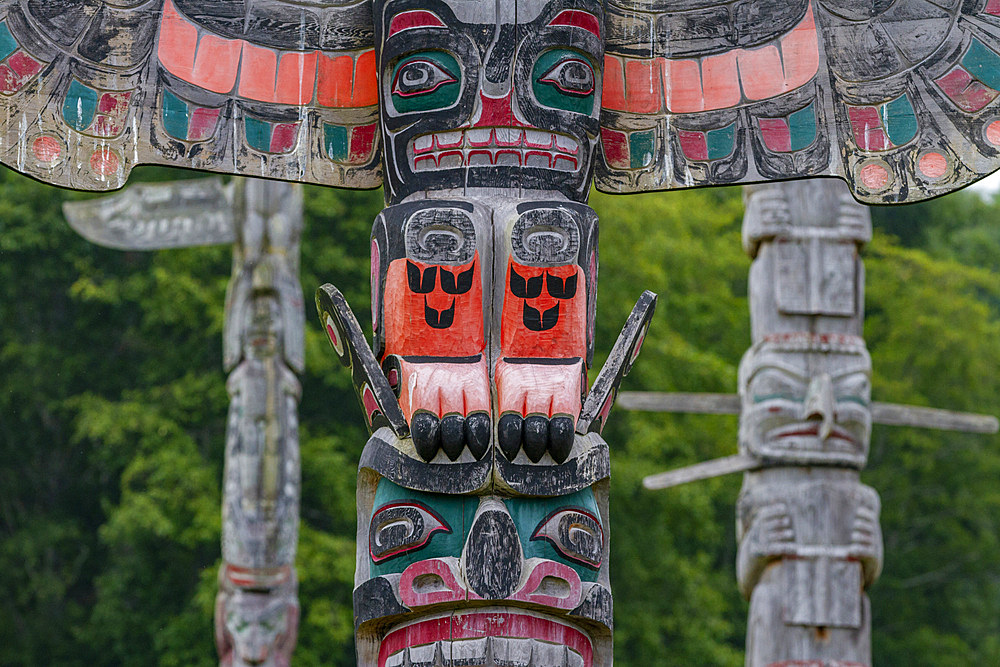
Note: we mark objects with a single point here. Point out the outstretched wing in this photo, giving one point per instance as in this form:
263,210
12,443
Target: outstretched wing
91,88
896,97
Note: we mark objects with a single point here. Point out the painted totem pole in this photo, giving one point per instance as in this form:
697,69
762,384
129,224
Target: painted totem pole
808,530
482,493
256,615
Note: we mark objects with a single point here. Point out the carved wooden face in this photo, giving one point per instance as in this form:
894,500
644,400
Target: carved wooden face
259,628
489,95
540,563
806,405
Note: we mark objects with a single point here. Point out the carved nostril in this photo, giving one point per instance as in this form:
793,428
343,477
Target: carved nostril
429,583
493,556
556,587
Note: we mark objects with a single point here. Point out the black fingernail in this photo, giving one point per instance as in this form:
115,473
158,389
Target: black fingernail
560,438
509,434
426,431
477,433
536,437
453,436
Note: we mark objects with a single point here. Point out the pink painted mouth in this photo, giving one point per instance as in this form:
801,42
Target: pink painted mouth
487,636
810,430
495,146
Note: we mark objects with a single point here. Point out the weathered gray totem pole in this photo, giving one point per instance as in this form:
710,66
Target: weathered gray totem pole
256,616
808,530
482,494
257,610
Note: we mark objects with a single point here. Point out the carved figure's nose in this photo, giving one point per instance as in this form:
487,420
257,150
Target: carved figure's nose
819,404
493,558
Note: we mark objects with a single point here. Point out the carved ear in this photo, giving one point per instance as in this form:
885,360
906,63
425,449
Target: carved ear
597,405
376,395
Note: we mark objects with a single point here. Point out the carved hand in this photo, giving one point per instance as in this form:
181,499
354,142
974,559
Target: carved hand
771,536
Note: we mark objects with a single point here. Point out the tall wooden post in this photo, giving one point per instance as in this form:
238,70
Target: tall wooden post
808,530
256,611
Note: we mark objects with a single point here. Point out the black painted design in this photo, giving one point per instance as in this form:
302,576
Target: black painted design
536,320
560,288
439,319
420,282
525,289
575,534
402,528
493,555
460,284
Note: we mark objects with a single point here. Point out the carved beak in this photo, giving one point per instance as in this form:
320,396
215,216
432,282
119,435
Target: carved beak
819,403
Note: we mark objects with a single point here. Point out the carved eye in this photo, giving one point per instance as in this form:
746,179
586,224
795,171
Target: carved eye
572,76
420,75
402,527
575,534
564,79
770,385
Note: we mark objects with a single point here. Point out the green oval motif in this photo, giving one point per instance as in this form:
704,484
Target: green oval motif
425,81
564,79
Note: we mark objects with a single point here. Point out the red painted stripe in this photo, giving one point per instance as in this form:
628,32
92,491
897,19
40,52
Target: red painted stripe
578,19
775,133
615,145
283,137
867,128
694,145
417,18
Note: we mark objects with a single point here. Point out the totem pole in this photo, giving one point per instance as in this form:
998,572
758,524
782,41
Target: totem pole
256,614
482,493
483,502
808,530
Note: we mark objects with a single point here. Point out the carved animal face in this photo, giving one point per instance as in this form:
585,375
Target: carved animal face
489,95
806,405
535,567
259,628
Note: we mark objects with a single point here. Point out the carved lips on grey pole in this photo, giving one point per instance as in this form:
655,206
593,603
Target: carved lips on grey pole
256,615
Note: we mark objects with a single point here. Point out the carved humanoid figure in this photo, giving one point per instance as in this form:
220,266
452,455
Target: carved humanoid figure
257,608
809,535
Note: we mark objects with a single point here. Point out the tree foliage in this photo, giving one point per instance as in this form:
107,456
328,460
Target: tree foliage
112,416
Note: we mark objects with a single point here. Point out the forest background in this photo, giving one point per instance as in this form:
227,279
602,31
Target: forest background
113,409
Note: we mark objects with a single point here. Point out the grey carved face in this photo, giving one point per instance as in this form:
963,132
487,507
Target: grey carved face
259,628
489,94
808,405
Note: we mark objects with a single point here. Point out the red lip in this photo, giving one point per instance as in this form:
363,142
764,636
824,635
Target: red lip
810,430
498,623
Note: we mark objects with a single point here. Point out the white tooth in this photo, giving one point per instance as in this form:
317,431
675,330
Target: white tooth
472,651
538,159
450,160
439,659
422,656
538,139
508,159
565,164
426,164
566,144
449,139
394,660
575,659
480,158
406,658
544,654
424,143
479,136
508,136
